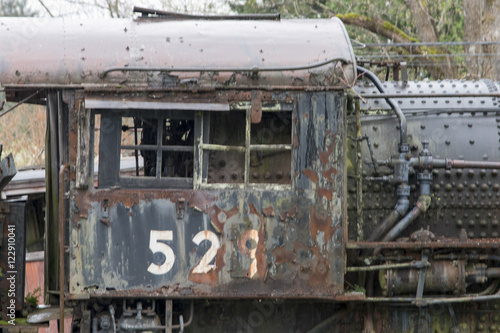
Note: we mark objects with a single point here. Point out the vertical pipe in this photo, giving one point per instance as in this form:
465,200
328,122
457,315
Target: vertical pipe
247,145
359,180
64,168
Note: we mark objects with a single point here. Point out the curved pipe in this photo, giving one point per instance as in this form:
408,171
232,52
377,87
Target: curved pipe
403,145
423,203
401,208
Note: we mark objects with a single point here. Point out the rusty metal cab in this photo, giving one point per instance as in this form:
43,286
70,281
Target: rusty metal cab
188,159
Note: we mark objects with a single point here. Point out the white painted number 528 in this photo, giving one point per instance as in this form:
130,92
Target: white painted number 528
155,246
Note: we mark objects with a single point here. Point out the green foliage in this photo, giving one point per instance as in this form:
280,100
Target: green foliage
16,8
32,298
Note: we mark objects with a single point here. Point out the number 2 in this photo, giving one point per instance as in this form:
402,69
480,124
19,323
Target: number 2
204,265
155,246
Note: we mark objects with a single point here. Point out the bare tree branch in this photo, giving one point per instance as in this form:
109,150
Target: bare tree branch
47,9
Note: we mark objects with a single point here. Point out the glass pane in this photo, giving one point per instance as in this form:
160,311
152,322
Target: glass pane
178,132
274,128
271,167
130,166
226,167
227,128
177,164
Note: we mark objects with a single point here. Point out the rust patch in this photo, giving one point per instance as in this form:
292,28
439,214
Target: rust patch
212,276
219,216
320,221
269,211
295,141
324,157
306,115
256,109
282,255
311,174
324,192
328,173
105,221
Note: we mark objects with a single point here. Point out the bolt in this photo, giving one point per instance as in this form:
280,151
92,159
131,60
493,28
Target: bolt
470,173
472,223
267,175
279,175
255,175
471,142
422,126
482,223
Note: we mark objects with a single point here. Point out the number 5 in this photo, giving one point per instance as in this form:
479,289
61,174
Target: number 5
155,246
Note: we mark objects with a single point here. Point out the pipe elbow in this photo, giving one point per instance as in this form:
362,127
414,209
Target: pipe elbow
424,202
402,207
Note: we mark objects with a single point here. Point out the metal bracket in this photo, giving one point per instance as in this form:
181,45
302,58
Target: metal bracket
421,281
168,316
180,208
256,106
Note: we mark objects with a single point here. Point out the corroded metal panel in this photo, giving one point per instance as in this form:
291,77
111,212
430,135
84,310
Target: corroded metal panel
227,52
250,241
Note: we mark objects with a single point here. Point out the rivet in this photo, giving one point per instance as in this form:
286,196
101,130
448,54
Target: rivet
494,234
482,223
234,175
422,126
484,187
496,187
482,172
279,175
471,234
483,234
459,172
477,215
255,175
460,187
473,187
494,172
470,125
446,125
375,128
437,187
267,175
471,223
471,142
494,223
447,142
375,145
447,173
448,187
470,173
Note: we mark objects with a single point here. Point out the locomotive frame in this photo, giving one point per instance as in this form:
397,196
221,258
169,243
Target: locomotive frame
249,189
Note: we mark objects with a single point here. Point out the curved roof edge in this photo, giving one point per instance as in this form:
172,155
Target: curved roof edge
289,53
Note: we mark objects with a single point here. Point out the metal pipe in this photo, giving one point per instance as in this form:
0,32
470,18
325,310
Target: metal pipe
414,264
400,209
254,69
403,146
326,324
465,95
190,320
64,168
423,203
